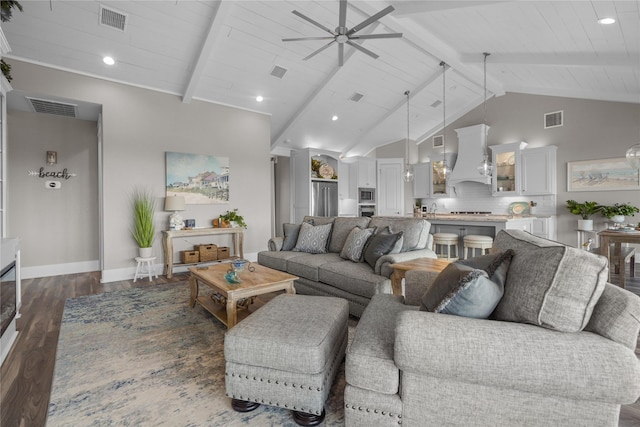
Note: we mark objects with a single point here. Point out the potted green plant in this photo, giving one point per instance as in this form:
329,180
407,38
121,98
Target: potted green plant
233,217
618,211
143,230
585,210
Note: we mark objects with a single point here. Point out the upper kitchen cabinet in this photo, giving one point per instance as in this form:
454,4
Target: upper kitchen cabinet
539,173
366,172
440,185
506,168
422,180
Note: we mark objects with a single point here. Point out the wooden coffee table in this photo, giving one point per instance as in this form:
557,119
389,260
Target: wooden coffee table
227,297
423,264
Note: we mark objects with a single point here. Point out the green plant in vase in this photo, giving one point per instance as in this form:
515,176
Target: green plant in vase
619,211
233,216
584,210
143,231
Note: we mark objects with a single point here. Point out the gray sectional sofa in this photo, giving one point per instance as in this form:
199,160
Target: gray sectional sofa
557,351
328,274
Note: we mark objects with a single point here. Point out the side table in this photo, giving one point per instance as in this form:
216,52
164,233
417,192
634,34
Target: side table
140,271
423,264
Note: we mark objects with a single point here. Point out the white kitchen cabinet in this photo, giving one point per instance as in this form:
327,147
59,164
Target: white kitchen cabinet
303,180
545,227
525,224
390,187
366,172
506,168
538,171
422,180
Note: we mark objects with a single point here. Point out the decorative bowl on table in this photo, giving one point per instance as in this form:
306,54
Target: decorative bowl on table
239,264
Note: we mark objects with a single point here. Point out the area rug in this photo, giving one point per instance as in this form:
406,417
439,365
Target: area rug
143,357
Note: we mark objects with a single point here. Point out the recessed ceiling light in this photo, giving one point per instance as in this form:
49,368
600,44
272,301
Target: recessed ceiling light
334,118
606,21
259,98
108,60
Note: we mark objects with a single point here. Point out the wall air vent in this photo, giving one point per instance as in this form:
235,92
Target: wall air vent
112,18
438,141
356,97
53,107
553,120
278,71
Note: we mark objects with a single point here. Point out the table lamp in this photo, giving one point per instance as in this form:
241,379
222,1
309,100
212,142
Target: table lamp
175,204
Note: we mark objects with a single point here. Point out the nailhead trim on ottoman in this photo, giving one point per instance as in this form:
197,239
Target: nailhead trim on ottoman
287,353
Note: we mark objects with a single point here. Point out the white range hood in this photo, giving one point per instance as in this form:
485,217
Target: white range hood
471,141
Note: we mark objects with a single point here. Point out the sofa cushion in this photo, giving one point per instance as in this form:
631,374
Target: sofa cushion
354,278
354,245
291,232
342,226
549,284
307,266
370,361
313,239
277,260
380,244
617,316
415,230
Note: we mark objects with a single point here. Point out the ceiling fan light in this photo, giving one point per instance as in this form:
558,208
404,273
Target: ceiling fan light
633,156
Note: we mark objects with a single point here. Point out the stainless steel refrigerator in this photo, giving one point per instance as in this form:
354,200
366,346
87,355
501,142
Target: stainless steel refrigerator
324,198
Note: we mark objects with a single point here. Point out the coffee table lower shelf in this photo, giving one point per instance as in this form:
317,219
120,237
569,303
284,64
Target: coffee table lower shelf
219,311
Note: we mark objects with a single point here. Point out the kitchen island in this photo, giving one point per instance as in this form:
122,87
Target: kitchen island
482,224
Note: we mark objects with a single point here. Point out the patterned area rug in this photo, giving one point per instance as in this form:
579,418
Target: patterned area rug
143,357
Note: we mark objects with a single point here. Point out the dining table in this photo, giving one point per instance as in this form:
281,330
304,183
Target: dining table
617,237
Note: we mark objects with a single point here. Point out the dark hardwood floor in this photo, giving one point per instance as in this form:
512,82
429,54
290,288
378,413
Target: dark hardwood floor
27,373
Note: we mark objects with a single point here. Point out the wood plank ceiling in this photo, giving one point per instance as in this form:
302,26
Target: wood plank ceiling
225,51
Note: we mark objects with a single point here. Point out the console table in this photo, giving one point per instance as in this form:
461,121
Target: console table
169,235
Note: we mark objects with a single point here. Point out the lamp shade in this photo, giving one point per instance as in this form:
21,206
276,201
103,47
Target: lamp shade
174,203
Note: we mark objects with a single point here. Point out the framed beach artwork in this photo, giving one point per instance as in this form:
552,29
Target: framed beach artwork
201,179
602,175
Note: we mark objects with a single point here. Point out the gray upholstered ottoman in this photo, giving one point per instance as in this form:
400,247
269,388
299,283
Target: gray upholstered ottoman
286,354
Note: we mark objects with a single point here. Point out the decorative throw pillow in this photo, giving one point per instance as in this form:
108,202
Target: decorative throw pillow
313,238
291,232
549,284
469,288
380,244
354,246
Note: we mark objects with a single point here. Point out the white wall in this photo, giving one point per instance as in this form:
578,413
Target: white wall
139,126
55,226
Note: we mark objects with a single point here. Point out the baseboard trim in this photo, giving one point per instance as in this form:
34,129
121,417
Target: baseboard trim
59,269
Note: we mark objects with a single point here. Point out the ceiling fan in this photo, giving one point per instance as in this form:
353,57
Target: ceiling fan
343,35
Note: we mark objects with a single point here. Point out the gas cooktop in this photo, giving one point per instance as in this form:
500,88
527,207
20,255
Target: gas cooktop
471,213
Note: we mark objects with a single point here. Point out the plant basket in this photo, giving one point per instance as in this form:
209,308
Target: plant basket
189,257
208,252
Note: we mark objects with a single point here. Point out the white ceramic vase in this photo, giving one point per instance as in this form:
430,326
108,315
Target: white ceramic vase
585,224
145,252
618,219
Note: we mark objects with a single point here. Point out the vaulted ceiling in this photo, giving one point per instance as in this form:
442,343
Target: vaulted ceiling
226,52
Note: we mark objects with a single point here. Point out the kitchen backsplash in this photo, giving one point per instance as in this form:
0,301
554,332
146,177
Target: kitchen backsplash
477,197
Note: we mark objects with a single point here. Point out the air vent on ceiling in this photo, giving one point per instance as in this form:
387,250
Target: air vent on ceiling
53,107
436,103
438,141
278,71
552,120
356,97
112,18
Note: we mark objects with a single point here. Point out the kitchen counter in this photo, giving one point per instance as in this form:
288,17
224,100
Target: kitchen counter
477,217
482,224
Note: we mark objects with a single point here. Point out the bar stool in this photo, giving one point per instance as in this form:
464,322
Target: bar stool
473,242
445,239
140,271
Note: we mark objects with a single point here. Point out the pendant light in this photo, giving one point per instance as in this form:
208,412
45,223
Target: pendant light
408,168
485,168
633,156
444,170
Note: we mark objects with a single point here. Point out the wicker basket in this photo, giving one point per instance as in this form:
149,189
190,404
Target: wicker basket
223,252
189,257
208,252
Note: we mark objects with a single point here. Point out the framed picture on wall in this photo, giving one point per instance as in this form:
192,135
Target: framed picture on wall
602,175
201,179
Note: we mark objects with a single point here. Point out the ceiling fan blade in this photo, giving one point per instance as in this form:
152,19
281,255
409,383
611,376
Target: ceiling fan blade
371,19
317,24
362,49
319,50
342,21
307,38
340,54
376,36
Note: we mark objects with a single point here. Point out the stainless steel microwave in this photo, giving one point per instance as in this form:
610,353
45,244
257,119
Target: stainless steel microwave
366,195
